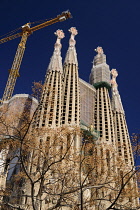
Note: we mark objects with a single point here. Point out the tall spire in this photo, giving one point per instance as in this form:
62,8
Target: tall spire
123,142
56,59
100,78
50,110
71,103
122,135
116,99
71,56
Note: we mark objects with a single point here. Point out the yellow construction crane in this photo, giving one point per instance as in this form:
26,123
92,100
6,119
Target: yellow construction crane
26,31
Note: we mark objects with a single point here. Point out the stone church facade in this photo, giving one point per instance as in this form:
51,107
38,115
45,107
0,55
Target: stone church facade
80,154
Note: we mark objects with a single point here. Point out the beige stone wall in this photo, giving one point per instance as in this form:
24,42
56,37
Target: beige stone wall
87,102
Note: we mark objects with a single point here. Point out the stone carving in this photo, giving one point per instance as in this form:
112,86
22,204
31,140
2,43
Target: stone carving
100,58
60,35
114,74
73,32
115,93
71,56
99,50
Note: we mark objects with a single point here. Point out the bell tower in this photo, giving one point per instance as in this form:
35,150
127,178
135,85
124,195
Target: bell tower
100,79
50,109
71,101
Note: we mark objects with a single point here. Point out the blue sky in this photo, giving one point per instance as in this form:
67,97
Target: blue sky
112,24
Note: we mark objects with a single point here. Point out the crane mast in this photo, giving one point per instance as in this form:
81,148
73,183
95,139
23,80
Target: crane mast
14,71
26,31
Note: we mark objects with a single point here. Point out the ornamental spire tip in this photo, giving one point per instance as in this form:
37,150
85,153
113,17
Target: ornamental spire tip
116,99
60,35
99,50
73,32
100,58
114,74
71,56
56,60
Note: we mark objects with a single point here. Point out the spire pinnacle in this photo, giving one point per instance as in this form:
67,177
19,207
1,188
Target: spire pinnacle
56,59
71,56
99,50
60,35
116,99
114,74
100,72
73,32
100,57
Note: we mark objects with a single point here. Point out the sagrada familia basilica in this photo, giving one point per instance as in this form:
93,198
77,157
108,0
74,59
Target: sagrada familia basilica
75,150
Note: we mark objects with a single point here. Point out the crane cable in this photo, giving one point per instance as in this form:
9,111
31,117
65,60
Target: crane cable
10,33
41,21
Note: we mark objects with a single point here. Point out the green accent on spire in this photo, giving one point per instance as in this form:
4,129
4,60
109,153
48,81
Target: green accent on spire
89,134
102,84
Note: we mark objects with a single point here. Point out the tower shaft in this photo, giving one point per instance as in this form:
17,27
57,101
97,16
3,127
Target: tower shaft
50,109
49,113
71,95
103,115
100,79
71,101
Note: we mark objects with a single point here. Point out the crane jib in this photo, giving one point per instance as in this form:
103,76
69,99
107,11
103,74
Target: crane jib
26,31
10,38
